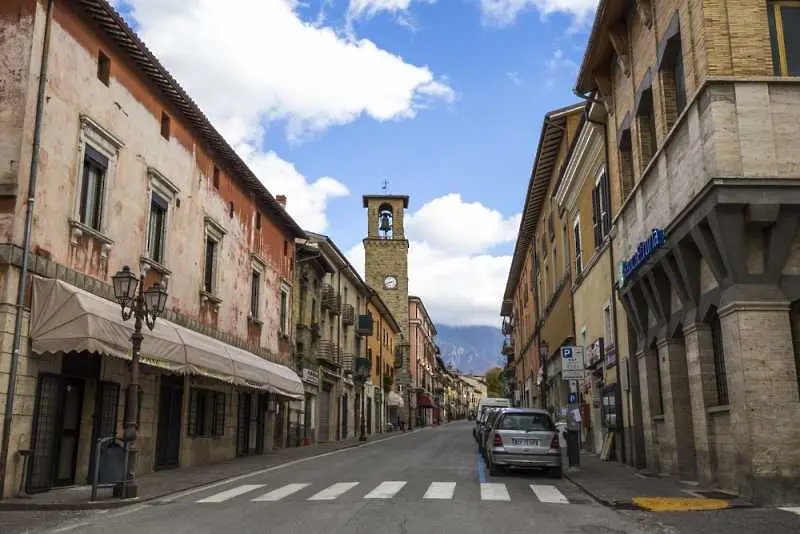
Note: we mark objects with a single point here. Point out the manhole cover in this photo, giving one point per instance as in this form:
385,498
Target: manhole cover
715,494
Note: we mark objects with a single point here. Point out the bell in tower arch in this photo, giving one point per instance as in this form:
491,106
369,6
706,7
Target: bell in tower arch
385,224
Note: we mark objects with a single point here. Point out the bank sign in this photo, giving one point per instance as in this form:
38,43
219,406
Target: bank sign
646,248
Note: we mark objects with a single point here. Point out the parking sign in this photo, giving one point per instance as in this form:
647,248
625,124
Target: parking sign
572,363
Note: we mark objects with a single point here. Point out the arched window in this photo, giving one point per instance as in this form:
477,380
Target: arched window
385,221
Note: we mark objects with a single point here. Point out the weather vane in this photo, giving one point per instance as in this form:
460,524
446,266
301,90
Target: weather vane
385,186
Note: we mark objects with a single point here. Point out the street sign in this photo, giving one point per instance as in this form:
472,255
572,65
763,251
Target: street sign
572,363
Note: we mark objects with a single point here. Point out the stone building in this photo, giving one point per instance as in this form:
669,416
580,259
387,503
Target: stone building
587,209
386,268
343,299
381,346
422,358
130,172
704,107
537,302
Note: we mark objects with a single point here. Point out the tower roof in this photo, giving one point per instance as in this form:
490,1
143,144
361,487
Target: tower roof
367,198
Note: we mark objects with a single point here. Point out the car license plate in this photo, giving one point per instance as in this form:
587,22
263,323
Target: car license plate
526,442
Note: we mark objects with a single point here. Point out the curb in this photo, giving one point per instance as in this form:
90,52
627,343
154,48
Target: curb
20,504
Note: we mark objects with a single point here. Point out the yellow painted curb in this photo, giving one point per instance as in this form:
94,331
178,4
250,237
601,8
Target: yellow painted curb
680,504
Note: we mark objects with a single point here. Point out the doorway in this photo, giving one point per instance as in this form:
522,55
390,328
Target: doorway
243,419
56,432
168,436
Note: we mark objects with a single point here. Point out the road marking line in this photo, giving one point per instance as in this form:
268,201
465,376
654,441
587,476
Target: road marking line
440,490
549,493
231,493
331,492
280,493
385,490
175,496
494,492
792,509
70,527
129,511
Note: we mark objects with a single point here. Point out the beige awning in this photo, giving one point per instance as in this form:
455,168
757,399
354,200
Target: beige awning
65,318
394,399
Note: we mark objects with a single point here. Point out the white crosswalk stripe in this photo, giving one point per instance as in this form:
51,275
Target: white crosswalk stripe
792,509
333,491
231,493
440,490
280,493
494,492
549,494
385,490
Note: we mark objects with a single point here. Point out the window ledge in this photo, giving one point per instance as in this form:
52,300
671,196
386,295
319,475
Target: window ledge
205,296
156,266
79,230
719,409
658,418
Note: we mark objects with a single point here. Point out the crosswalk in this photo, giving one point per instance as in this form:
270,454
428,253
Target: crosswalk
435,491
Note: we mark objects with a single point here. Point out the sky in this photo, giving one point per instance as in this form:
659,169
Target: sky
442,99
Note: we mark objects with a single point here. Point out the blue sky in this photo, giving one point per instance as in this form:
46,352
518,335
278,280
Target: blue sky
442,98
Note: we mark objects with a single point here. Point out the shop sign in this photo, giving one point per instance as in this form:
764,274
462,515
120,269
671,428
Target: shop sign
643,251
611,357
311,376
594,353
572,363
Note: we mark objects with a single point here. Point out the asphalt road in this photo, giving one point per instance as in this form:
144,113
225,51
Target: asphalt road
431,481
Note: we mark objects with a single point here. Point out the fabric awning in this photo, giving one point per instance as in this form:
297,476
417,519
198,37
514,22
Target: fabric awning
65,318
425,401
394,399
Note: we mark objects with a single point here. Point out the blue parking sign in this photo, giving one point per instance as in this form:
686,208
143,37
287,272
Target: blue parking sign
566,352
573,398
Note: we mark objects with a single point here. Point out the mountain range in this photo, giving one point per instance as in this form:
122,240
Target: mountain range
471,349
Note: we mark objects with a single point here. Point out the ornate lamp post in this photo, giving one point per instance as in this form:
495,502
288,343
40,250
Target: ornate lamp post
363,368
145,306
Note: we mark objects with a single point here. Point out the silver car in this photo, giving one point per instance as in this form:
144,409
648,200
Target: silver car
523,437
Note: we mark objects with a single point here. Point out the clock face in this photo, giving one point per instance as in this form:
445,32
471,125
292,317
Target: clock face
390,282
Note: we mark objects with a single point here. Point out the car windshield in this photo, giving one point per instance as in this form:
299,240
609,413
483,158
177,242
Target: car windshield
528,422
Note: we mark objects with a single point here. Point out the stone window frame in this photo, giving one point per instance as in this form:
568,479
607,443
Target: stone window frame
625,158
670,56
216,232
576,232
565,247
257,265
162,186
285,326
780,61
608,324
646,126
94,135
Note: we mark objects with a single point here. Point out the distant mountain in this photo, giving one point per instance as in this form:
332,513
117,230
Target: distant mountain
471,349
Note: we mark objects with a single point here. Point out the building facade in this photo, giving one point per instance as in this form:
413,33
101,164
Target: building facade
422,359
130,172
381,346
703,106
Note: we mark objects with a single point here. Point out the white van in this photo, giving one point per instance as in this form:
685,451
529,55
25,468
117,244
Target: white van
483,405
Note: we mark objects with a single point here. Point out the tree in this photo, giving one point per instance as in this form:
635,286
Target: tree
493,382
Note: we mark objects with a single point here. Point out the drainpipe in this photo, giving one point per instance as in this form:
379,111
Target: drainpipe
338,350
615,326
23,277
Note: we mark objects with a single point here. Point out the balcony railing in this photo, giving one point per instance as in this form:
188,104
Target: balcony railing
348,315
364,327
328,352
508,328
330,300
347,362
508,346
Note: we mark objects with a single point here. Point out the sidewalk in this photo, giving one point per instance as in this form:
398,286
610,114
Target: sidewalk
619,485
161,483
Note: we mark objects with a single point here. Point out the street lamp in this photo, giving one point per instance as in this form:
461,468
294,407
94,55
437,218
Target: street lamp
363,367
144,305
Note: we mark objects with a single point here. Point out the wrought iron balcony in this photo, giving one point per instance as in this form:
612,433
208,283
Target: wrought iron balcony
347,362
364,327
508,346
348,315
508,328
330,300
328,352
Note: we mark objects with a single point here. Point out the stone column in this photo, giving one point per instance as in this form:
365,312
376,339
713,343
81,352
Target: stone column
700,364
648,390
678,442
763,393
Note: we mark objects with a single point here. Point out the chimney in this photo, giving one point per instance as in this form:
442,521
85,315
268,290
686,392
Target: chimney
281,200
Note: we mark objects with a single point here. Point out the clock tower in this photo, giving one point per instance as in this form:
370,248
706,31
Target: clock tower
386,268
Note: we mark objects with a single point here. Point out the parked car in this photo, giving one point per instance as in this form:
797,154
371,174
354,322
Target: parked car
483,433
523,438
481,411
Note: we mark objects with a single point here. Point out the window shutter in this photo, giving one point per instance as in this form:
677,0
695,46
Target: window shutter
606,200
596,222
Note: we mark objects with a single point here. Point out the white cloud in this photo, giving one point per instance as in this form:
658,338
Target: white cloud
460,283
370,8
306,201
559,65
450,225
514,77
505,12
248,62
